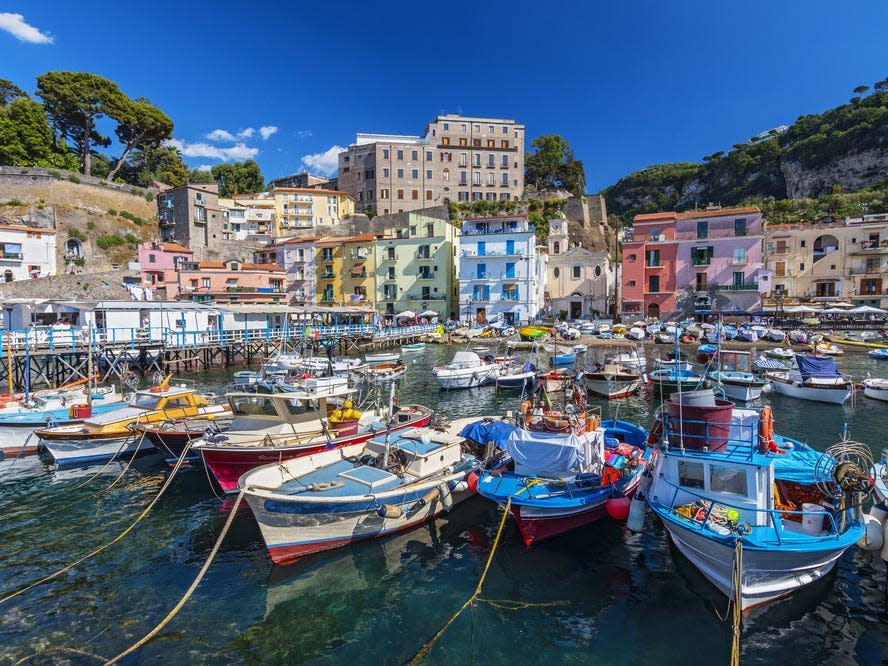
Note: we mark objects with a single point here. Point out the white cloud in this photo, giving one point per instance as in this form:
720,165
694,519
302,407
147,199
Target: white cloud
239,151
15,25
246,134
220,135
303,134
325,163
266,131
204,167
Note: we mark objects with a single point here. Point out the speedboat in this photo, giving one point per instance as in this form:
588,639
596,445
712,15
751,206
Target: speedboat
880,354
275,428
631,360
362,491
735,378
812,378
667,381
382,357
781,353
825,348
759,514
414,347
525,378
610,381
875,388
566,479
107,435
636,333
466,370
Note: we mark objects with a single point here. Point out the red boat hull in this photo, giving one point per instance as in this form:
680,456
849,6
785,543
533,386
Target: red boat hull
228,463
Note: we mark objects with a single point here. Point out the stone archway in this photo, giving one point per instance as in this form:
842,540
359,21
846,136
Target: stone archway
653,311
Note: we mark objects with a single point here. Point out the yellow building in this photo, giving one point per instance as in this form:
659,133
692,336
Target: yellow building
298,208
346,270
329,253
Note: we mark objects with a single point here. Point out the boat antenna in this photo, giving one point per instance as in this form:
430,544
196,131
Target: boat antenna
388,424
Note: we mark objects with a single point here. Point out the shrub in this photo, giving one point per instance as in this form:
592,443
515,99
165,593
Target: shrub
80,262
73,232
149,196
90,226
53,173
13,202
112,212
41,206
107,242
132,239
135,191
135,219
73,178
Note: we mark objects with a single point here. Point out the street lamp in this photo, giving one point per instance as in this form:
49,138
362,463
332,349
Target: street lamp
469,303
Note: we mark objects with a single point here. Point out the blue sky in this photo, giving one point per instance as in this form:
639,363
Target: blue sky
628,83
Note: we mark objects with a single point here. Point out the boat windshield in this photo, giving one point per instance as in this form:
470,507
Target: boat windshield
252,405
144,401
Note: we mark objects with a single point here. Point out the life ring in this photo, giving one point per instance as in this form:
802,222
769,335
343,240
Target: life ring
525,407
656,432
766,430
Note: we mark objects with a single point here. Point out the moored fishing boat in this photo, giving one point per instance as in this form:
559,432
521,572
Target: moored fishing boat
245,378
174,436
760,515
880,354
363,491
517,379
556,380
631,360
380,373
781,353
107,435
466,370
706,352
667,381
382,357
279,427
562,359
636,333
735,378
812,378
610,381
874,388
413,347
764,364
569,478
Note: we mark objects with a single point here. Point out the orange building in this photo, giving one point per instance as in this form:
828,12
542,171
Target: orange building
231,282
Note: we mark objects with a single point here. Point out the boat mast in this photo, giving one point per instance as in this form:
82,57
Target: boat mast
388,424
89,367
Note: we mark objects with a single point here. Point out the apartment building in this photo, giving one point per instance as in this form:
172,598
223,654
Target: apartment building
191,216
501,274
457,158
415,268
27,252
831,261
346,270
695,261
580,283
304,179
297,209
297,257
230,282
158,265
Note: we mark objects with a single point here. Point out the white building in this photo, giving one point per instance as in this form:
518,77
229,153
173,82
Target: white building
501,274
297,257
26,252
580,282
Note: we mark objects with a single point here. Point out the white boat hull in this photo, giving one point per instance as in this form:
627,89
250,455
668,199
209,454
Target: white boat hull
835,396
464,378
76,452
611,387
767,575
741,392
875,393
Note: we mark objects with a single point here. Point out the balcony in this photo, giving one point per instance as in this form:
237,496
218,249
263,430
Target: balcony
433,297
425,276
700,262
517,252
871,247
327,276
865,269
482,276
167,222
12,256
358,276
518,229
424,257
738,286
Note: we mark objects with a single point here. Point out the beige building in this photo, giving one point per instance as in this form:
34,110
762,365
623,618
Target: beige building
830,262
298,208
457,158
579,283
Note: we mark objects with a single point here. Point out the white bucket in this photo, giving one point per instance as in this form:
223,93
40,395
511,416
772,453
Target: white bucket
704,398
812,521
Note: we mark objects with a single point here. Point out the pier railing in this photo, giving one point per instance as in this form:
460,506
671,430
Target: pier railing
51,339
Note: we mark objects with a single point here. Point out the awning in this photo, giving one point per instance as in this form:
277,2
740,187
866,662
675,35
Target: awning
428,313
358,270
407,314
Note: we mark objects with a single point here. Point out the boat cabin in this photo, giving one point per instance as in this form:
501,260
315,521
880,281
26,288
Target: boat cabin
307,404
173,398
735,361
420,451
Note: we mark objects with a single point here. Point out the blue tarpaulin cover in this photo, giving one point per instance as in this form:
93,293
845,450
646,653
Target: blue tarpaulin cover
815,366
797,464
546,454
484,431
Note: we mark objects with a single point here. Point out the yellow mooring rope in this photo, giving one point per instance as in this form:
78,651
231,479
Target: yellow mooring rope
103,547
426,648
735,600
185,597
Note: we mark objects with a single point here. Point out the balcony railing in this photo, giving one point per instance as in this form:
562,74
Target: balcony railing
733,286
425,276
12,256
701,262
517,252
327,276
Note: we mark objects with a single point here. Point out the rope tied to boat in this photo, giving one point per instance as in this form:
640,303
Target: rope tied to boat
735,598
190,591
426,648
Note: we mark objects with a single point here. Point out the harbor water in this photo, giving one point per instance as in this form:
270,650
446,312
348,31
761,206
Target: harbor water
599,595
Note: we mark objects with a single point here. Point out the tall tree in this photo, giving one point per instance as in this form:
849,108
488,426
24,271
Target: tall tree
140,125
156,163
201,176
238,178
26,139
74,101
9,91
554,165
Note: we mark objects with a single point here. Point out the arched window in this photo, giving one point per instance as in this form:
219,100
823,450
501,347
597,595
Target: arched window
556,272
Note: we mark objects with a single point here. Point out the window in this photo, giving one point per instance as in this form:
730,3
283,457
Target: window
781,247
631,283
414,154
505,179
428,156
428,195
801,267
476,178
727,480
556,272
505,162
491,143
556,249
654,283
740,226
780,269
505,130
491,178
491,161
576,272
652,258
504,143
477,159
702,256
415,194
383,194
386,173
802,243
385,153
445,140
510,270
598,271
446,126
739,256
690,474
445,175
701,282
429,174
464,142
400,173
463,178
631,257
152,258
738,279
476,143
205,282
463,159
400,154
703,229
414,174
430,230
400,194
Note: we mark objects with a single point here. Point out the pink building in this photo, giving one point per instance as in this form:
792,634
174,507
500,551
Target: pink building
231,282
696,261
158,263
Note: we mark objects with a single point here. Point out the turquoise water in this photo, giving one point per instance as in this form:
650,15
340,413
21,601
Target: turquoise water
611,596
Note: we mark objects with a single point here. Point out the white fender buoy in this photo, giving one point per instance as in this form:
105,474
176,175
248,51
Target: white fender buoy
879,512
637,510
444,494
873,537
459,486
884,552
389,511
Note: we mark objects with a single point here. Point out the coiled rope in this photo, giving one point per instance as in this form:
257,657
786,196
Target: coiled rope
185,597
426,648
107,545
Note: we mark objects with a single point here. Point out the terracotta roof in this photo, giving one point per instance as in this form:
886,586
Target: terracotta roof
652,217
268,267
716,212
22,227
211,264
174,247
311,190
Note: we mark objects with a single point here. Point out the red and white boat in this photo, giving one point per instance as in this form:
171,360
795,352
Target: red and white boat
273,428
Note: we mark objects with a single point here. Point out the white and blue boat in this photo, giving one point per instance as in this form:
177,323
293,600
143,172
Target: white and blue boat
759,514
525,378
563,481
880,354
735,378
812,378
337,497
667,381
560,360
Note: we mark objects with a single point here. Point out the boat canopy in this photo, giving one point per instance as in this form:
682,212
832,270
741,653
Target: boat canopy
816,366
798,464
485,430
550,455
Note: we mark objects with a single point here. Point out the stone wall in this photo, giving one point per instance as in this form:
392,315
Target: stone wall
93,287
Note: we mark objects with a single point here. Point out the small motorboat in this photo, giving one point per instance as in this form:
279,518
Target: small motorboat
874,388
774,335
825,348
780,353
672,363
172,437
631,360
414,347
556,380
730,332
797,337
610,381
580,349
724,481
735,378
812,378
380,373
466,370
747,335
706,352
636,333
763,364
562,359
880,354
382,357
664,338
532,333
667,381
245,378
525,378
